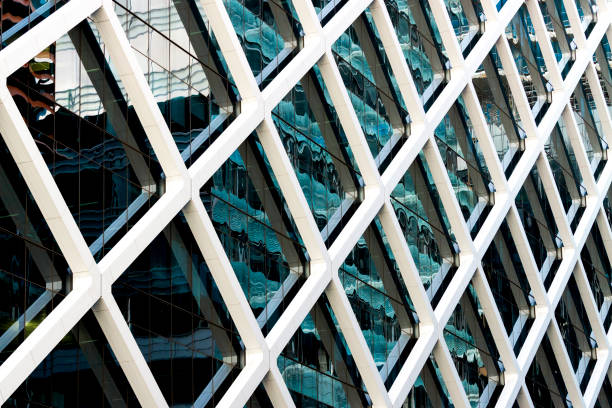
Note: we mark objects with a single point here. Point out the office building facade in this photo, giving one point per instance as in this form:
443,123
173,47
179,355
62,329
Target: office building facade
310,203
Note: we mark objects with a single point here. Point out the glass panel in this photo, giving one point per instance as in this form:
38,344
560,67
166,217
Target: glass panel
509,286
576,332
317,365
418,36
34,276
19,17
187,74
465,165
529,62
566,173
80,371
540,227
589,126
559,33
473,351
426,229
596,263
380,300
499,108
372,89
268,32
94,145
544,380
319,151
429,389
257,231
181,325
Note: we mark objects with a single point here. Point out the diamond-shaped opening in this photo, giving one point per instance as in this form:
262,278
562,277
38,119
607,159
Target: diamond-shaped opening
589,125
21,16
80,369
317,365
426,228
320,153
269,33
380,300
89,137
604,399
499,109
326,9
603,64
544,379
187,74
509,285
257,231
560,34
179,320
372,88
420,40
540,227
473,351
598,269
429,389
34,276
465,165
468,20
567,175
577,333
587,11
530,63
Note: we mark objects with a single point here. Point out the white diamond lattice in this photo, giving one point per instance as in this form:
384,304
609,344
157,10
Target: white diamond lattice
92,281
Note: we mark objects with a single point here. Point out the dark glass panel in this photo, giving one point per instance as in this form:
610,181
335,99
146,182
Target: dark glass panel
80,371
317,365
509,285
473,351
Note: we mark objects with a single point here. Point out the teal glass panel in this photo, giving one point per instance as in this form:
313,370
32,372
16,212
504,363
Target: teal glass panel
268,32
372,89
425,226
420,52
320,154
465,166
420,39
380,300
257,231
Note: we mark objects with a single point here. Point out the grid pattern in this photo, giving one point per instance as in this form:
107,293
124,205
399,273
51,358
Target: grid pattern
92,279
